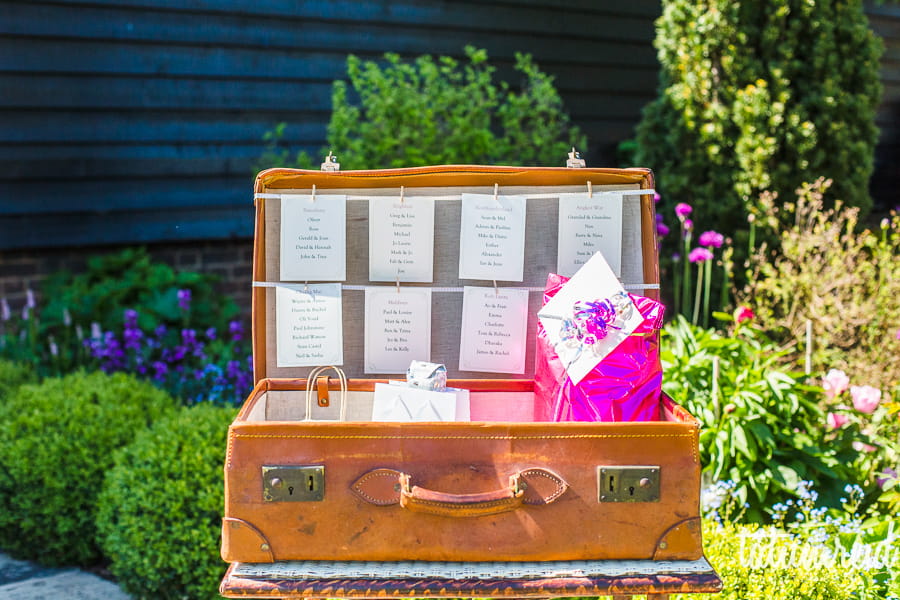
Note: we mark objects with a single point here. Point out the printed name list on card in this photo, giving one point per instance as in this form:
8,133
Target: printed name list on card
494,324
309,326
398,328
588,225
594,282
401,239
313,238
492,237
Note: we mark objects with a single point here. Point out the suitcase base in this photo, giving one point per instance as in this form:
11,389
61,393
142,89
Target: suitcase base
329,579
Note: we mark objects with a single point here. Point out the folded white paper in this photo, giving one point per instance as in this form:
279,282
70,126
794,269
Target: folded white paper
399,402
594,281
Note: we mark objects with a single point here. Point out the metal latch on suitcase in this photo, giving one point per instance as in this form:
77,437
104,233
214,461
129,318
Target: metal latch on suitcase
637,483
296,483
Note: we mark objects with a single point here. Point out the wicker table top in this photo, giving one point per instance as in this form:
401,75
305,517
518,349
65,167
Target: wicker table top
328,579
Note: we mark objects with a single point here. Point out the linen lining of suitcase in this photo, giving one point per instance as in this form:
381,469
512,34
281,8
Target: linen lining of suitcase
468,570
540,259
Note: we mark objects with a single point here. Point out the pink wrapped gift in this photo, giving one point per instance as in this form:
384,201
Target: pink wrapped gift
625,386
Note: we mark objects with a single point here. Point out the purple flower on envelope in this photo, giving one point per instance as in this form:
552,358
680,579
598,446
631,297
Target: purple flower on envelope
699,255
711,239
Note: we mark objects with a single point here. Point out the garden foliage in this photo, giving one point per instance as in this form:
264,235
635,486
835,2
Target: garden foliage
160,512
843,279
56,443
440,111
761,426
13,376
760,96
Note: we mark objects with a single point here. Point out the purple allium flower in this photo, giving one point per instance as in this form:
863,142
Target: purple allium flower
211,333
656,198
688,225
131,317
29,298
184,299
711,239
683,209
661,229
699,255
236,330
6,315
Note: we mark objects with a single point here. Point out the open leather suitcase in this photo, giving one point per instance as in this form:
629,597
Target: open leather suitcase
507,488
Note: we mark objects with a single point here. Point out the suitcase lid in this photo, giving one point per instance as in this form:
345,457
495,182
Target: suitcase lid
640,259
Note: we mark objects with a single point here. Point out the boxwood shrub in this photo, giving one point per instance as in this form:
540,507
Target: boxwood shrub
13,375
56,443
160,513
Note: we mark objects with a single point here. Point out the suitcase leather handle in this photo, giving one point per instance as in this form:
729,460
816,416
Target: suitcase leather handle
419,499
385,487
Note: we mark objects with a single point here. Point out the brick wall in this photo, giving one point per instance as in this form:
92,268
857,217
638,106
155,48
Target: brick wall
230,260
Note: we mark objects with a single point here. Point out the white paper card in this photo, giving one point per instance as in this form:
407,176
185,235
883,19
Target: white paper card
401,239
398,328
588,225
313,238
594,281
309,326
395,402
492,237
494,324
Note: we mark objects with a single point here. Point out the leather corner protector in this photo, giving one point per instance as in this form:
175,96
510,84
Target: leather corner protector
242,542
380,487
681,541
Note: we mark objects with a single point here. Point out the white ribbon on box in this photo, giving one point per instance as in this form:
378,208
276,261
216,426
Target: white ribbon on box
399,402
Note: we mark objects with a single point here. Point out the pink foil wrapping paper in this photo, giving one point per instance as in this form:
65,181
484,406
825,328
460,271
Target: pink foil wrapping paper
625,386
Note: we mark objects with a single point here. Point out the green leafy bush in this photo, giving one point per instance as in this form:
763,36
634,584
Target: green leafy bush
760,96
56,443
766,564
762,428
844,280
131,279
439,111
161,507
12,376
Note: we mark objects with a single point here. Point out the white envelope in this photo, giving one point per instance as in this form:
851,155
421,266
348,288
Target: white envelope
595,280
398,402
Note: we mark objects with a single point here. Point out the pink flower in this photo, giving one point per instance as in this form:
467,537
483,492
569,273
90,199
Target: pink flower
898,334
682,210
861,447
865,398
688,225
743,313
711,239
836,420
699,255
835,383
661,229
656,198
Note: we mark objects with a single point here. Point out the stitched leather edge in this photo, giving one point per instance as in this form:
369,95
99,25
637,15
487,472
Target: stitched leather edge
561,485
359,490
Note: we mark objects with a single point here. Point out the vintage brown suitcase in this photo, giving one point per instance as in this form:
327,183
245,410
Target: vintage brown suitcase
486,490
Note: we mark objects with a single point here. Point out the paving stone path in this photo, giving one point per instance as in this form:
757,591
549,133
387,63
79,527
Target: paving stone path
21,580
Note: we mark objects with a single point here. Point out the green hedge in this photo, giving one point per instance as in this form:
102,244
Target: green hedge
56,443
160,514
14,375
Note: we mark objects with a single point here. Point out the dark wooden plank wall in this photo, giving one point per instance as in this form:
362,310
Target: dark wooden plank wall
127,121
